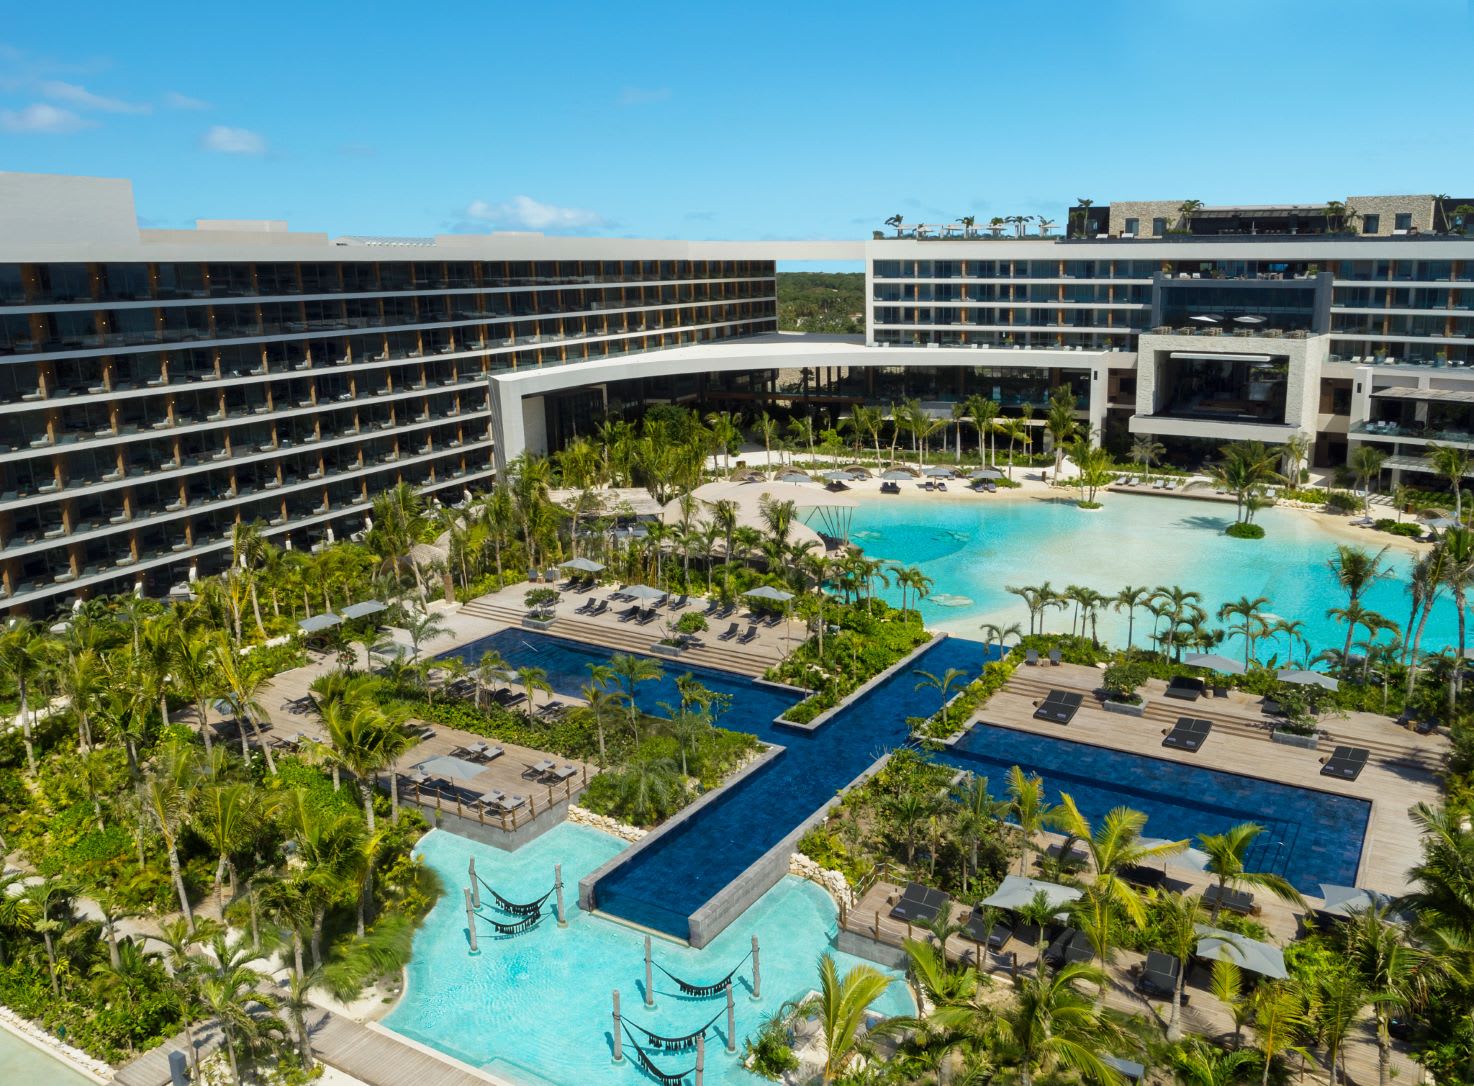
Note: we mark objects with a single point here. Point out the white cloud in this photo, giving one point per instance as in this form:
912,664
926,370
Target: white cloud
78,96
525,213
643,96
175,100
40,117
233,141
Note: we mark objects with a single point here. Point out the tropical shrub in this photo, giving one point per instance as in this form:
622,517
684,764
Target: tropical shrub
1245,531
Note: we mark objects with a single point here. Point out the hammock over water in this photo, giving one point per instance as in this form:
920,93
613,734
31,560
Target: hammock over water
704,991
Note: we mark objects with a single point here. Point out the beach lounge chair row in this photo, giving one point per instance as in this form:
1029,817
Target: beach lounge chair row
889,486
478,752
918,904
1059,706
1345,763
1188,734
985,486
594,606
718,609
730,633
1226,897
547,771
931,484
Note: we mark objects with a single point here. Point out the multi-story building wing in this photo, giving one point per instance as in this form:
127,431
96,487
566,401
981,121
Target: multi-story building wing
158,386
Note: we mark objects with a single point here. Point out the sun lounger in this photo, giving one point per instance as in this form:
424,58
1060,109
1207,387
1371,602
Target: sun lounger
422,731
1069,946
712,608
772,620
919,904
680,601
729,633
561,774
1345,763
928,485
1142,875
508,804
1159,975
629,614
994,938
727,611
552,710
941,486
748,635
647,617
1186,687
1073,860
1188,734
1235,901
487,753
1054,657
538,768
587,606
1031,658
1059,706
599,608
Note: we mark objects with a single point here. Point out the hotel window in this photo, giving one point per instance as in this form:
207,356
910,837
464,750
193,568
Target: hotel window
1403,221
1370,224
1130,226
1159,227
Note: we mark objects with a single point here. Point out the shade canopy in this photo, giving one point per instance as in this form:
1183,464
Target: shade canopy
1204,318
1217,945
364,609
836,477
1224,665
583,565
317,623
1193,859
896,475
986,473
1343,901
795,477
937,472
1252,319
643,592
777,595
1018,892
457,769
1306,678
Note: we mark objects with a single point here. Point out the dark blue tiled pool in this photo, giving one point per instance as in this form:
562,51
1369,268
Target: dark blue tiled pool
1309,837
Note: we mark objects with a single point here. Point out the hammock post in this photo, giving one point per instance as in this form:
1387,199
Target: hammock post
471,923
558,885
475,887
649,978
618,1031
700,1057
757,976
731,1022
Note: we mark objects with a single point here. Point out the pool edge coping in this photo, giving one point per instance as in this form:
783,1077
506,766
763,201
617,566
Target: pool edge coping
865,687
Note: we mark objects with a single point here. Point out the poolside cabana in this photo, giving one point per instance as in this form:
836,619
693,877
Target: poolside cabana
363,609
1306,678
1217,945
317,624
1018,892
1214,662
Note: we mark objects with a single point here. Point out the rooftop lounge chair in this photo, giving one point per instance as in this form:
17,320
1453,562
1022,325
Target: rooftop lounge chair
729,633
1060,706
1188,734
994,938
919,904
1159,975
748,635
1069,946
1235,901
1186,687
1345,763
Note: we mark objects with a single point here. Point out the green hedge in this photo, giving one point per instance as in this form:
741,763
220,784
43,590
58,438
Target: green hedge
1245,531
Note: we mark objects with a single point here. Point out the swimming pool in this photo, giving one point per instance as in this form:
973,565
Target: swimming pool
21,1062
972,548
1310,837
536,1008
664,883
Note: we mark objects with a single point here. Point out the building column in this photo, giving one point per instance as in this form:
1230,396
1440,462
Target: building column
1100,389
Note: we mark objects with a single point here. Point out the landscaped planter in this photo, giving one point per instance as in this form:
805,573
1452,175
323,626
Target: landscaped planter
1125,708
537,622
1295,739
662,649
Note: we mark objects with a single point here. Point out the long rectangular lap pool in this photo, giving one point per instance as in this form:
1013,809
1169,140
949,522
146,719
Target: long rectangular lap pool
1310,836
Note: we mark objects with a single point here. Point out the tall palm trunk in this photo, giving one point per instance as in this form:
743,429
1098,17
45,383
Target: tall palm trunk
176,875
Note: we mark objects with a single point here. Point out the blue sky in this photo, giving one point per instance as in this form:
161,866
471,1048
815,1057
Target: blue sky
717,120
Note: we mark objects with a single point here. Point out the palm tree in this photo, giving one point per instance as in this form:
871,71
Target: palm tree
1340,997
1029,808
1185,212
1356,570
1390,969
1014,430
1200,1062
1129,599
233,993
422,626
167,793
1453,463
993,632
983,412
1366,465
1458,573
1060,422
630,671
1051,1024
224,816
1252,624
943,685
1178,917
841,1006
767,428
360,739
242,685
911,577
1228,852
726,429
1146,451
1278,1012
1245,469
25,656
649,789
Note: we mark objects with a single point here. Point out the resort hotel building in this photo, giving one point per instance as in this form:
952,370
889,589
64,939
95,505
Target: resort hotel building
159,386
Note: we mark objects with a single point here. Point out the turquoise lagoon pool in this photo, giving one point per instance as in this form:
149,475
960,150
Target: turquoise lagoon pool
535,1008
972,549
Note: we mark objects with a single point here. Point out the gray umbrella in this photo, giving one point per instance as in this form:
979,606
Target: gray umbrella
318,623
1214,662
795,477
937,472
1193,859
837,477
1226,946
896,475
777,595
1342,901
644,592
987,473
583,565
1016,891
1306,678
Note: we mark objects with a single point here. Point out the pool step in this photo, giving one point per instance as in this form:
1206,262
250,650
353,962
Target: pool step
715,654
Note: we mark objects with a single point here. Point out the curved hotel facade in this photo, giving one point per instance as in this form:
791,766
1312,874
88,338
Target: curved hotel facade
160,385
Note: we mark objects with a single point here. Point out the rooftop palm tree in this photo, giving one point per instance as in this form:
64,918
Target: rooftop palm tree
841,1006
1228,855
1185,212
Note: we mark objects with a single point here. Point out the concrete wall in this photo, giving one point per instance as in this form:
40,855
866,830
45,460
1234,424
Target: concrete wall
1144,211
491,833
1387,208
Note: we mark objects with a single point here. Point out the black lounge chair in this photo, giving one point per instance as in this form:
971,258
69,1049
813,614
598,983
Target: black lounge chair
1159,975
730,632
1060,706
919,904
1186,687
1073,860
994,938
680,601
712,608
1054,657
1142,875
1189,734
599,608
772,620
748,635
1069,946
647,617
1031,658
587,606
1345,763
560,774
629,614
1226,897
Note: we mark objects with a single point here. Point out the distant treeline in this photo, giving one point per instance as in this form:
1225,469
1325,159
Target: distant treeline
821,302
